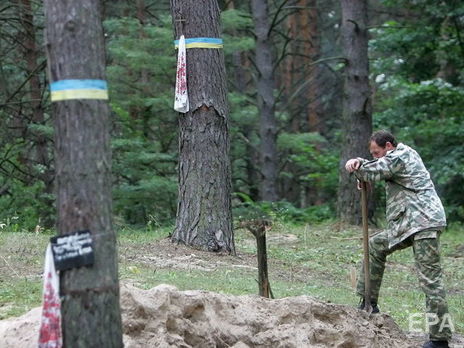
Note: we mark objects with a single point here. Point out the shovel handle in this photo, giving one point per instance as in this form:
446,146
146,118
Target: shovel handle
367,278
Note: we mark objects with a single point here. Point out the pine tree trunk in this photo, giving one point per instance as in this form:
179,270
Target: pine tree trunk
357,118
266,100
204,213
75,47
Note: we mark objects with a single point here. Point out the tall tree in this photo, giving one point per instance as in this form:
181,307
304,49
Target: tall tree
240,63
301,84
357,110
300,75
75,52
266,101
204,214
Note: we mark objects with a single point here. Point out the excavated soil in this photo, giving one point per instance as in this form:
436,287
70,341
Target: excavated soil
166,317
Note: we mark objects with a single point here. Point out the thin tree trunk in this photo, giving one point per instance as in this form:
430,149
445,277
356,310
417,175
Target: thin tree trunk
75,47
309,25
239,60
357,118
204,213
292,76
266,100
241,65
40,154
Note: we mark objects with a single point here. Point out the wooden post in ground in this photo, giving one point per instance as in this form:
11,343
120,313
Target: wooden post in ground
263,279
258,228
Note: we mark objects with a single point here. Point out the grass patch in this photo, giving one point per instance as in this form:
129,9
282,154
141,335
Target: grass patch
19,296
21,266
128,235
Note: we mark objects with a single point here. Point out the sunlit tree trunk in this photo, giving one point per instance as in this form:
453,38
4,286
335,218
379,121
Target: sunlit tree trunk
312,47
300,82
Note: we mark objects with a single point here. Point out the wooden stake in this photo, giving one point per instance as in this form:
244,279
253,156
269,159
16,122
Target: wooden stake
258,228
367,278
263,279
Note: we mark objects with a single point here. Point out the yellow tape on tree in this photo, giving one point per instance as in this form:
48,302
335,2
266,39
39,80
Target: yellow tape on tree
78,89
201,42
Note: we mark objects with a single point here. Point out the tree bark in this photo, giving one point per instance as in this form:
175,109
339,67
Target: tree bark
266,100
204,213
75,48
357,110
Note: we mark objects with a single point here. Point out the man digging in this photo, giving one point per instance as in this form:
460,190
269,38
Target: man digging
415,217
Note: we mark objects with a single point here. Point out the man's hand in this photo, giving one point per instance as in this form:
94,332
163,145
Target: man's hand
352,165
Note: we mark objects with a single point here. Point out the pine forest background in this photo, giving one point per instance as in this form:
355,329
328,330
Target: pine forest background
416,55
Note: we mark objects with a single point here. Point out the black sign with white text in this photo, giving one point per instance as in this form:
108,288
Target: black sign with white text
73,250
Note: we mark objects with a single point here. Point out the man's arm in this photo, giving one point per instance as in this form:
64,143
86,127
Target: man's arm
375,170
378,169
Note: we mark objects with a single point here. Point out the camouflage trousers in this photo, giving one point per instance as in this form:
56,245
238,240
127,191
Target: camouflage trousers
427,262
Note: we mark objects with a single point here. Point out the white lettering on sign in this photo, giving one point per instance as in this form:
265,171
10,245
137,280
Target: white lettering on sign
77,243
73,250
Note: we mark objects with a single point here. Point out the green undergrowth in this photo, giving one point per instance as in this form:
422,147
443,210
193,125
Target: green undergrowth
314,260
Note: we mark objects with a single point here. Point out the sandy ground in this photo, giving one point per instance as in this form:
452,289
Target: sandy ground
166,317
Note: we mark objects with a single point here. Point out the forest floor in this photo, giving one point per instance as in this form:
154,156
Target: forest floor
316,262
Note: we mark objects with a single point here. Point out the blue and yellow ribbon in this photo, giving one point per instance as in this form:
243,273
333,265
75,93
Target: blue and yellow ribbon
201,42
78,89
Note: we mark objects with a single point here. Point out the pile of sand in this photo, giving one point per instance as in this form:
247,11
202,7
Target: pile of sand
166,317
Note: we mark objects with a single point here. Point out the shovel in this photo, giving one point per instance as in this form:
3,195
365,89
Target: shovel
367,278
